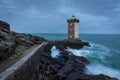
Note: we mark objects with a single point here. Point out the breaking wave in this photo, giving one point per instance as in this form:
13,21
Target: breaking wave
98,56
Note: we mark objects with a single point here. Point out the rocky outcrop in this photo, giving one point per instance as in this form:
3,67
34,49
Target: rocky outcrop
66,66
63,44
15,43
4,25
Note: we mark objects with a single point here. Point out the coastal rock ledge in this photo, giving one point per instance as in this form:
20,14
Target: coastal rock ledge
63,44
66,66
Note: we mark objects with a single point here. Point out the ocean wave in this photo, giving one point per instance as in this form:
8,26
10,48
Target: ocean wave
101,69
97,54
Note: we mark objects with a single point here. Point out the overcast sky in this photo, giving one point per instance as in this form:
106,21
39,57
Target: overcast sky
50,16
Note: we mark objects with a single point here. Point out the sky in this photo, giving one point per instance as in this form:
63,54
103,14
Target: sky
50,16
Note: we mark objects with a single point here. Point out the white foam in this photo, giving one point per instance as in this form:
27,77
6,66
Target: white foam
79,52
100,53
97,55
101,69
54,52
96,51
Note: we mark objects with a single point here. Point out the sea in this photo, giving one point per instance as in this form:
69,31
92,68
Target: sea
104,53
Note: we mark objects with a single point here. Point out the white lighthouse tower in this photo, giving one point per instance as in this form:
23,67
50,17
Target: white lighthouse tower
73,32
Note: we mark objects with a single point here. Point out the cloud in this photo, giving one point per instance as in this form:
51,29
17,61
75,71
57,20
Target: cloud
50,16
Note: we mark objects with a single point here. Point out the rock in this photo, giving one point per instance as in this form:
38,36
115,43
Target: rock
68,68
90,77
4,25
3,56
40,77
105,77
59,76
6,49
60,61
75,45
53,68
64,55
47,48
10,40
73,64
73,75
86,44
83,59
63,44
3,46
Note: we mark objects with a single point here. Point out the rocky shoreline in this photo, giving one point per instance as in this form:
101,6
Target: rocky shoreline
66,66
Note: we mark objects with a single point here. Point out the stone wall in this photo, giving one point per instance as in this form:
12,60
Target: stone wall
26,68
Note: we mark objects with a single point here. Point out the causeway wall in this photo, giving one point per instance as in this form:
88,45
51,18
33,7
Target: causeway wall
27,67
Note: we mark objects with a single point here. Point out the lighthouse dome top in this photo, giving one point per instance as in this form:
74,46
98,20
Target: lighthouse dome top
73,19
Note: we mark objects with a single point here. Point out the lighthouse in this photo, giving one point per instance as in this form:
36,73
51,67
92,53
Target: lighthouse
73,32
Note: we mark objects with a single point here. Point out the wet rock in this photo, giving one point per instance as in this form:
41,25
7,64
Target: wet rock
79,59
63,44
60,61
75,45
86,44
68,68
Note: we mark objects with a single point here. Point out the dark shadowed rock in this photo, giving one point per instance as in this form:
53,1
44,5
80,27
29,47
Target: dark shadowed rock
48,47
59,76
4,25
59,61
63,44
90,77
68,68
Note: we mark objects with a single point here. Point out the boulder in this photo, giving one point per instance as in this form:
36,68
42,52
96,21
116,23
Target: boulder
68,68
4,25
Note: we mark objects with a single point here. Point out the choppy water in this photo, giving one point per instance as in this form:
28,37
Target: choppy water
104,53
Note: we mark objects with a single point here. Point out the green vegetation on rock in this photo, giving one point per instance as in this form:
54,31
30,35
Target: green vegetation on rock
19,50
